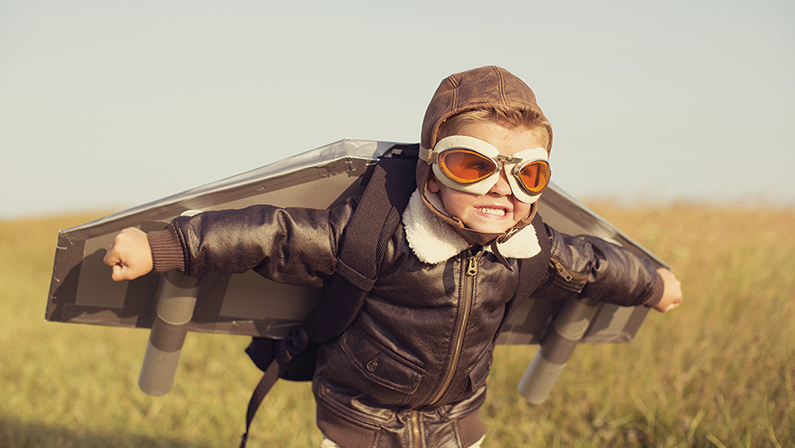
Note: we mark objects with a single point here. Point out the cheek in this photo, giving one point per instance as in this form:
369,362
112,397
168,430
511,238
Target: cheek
522,209
456,202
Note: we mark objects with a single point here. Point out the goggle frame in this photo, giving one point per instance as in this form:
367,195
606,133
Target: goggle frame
483,184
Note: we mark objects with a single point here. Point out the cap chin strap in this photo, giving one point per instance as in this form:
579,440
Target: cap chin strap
473,237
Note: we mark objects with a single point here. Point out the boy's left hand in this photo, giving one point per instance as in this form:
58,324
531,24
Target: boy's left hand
672,291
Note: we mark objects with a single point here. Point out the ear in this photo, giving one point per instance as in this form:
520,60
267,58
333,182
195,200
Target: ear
433,184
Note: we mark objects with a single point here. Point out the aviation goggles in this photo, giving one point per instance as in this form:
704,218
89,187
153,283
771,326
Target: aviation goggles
473,166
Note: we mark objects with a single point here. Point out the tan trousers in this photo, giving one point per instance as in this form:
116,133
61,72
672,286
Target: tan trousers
329,444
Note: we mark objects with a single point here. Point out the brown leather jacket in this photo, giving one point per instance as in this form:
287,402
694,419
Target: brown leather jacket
414,364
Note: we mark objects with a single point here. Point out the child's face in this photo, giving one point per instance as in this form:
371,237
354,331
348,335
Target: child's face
498,210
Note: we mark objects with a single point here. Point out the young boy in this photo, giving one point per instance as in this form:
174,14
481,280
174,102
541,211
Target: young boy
411,371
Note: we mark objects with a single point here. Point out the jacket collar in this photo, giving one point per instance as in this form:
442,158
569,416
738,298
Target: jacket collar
434,241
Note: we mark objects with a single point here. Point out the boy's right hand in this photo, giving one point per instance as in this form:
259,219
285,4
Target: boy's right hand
129,255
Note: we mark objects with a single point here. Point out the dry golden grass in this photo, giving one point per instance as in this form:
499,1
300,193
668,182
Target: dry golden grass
718,371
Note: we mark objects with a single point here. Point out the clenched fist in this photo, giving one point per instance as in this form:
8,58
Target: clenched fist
129,255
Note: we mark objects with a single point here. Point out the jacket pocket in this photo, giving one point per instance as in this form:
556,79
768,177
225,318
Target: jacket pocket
569,267
370,368
565,277
480,371
561,282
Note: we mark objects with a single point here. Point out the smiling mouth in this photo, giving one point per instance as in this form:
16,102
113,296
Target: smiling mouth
492,211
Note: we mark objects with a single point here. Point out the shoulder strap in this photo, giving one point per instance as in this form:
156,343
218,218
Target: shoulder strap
361,250
531,272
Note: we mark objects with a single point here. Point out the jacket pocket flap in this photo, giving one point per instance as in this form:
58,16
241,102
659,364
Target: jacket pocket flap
379,365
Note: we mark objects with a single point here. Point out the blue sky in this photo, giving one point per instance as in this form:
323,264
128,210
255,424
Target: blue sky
105,105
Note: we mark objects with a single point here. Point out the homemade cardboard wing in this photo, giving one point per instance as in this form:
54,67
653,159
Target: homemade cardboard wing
81,289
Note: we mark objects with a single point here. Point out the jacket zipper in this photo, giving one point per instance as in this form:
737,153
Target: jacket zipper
566,273
416,439
562,270
469,288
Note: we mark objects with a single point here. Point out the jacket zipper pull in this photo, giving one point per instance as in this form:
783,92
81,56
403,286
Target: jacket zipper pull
472,268
562,271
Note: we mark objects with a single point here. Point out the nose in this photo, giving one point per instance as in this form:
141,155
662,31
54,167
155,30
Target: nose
502,187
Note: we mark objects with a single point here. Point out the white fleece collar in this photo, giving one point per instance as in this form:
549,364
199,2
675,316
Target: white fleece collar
434,241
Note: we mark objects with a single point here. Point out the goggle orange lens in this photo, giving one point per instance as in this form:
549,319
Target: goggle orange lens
465,166
535,176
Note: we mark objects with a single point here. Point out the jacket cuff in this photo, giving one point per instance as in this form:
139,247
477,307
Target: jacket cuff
166,250
657,294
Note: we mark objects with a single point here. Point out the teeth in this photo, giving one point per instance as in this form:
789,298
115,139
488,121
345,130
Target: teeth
493,211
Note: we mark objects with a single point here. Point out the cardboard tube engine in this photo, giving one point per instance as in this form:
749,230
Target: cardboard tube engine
568,328
175,302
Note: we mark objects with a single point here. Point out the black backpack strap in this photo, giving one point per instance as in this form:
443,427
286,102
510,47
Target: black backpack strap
361,250
263,387
281,353
531,272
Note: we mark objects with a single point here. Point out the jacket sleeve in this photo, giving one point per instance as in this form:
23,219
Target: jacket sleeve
287,245
589,267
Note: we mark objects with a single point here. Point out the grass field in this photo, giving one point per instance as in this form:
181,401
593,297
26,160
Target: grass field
718,371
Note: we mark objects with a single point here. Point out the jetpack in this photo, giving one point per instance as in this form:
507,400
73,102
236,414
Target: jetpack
171,304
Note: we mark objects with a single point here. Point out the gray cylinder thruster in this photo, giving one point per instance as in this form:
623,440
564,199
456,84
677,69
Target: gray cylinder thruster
175,302
568,328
